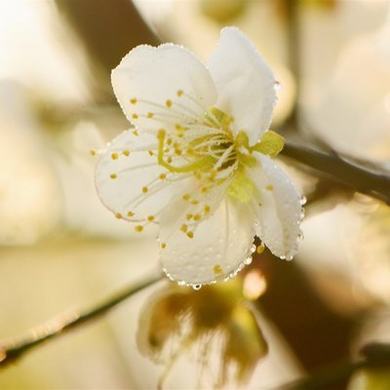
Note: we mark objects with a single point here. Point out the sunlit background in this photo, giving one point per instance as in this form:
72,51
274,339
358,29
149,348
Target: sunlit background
61,249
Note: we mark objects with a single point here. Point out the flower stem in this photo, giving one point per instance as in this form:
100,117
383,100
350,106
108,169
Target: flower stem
17,348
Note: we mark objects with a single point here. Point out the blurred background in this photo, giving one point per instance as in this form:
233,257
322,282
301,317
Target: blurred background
61,249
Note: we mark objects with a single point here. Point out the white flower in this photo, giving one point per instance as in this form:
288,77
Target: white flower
194,165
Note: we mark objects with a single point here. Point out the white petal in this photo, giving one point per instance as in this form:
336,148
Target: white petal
219,247
279,210
121,178
246,85
168,82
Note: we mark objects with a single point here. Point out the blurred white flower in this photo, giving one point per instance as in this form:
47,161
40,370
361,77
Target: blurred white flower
194,164
354,115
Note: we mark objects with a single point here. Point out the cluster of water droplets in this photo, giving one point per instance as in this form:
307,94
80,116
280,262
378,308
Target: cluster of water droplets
197,286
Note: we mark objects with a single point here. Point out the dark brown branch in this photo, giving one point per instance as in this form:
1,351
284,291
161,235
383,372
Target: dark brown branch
13,350
375,355
341,171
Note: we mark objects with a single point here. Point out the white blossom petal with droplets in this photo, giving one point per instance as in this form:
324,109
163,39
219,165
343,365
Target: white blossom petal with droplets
162,86
189,166
130,182
219,247
278,208
246,85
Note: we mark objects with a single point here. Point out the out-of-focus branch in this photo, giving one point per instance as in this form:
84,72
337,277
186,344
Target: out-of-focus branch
341,171
375,355
108,29
13,350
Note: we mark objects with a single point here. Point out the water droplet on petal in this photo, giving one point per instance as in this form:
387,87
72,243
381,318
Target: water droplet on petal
283,257
303,200
248,260
196,287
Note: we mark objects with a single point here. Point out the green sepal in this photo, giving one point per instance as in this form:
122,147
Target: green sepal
270,144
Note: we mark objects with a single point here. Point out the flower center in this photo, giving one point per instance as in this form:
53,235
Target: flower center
212,154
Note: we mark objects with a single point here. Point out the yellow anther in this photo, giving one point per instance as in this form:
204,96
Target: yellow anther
186,197
184,228
204,189
133,100
179,92
139,228
163,176
169,141
260,249
161,134
135,132
145,189
217,269
113,176
150,152
163,245
126,152
168,103
169,160
130,214
114,156
197,217
151,218
189,216
134,116
150,115
118,215
92,152
178,152
269,187
207,209
194,202
190,234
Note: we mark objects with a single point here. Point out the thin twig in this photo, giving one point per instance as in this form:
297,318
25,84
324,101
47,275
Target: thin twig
341,171
13,350
375,355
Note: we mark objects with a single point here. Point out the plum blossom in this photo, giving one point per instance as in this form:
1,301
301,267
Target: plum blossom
198,161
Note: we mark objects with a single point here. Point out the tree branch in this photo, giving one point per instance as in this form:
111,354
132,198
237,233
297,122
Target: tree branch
341,171
375,355
13,350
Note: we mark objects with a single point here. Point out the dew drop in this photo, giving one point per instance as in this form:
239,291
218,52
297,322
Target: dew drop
283,257
248,260
303,200
288,258
300,236
196,287
181,283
